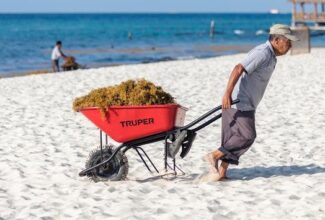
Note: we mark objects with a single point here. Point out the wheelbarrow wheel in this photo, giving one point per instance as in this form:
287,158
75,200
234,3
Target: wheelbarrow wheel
116,169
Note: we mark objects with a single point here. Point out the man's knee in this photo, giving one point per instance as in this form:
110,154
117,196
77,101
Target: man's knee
250,139
253,136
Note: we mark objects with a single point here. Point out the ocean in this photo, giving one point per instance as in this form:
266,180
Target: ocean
111,39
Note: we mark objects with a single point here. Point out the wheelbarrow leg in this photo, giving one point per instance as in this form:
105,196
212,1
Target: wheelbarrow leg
165,156
166,164
137,150
101,144
174,166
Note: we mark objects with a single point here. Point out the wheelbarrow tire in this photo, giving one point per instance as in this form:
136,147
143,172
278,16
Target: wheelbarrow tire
115,170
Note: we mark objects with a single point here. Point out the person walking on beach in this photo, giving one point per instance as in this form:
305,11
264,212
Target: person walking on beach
56,55
247,83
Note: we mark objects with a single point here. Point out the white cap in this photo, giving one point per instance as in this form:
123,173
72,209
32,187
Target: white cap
284,30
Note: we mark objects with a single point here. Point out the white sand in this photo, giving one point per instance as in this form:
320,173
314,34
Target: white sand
44,145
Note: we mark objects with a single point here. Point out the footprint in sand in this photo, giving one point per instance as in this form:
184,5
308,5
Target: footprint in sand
210,177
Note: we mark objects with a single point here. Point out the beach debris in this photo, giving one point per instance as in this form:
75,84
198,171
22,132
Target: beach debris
130,92
36,72
70,64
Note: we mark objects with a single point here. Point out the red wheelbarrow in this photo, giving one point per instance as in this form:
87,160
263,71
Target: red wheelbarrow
134,126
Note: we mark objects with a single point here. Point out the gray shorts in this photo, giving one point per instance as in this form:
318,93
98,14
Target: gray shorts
237,135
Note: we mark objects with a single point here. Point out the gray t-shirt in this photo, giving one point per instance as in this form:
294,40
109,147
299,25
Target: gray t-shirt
259,65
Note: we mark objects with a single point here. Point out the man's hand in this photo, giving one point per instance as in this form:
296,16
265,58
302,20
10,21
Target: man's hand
234,76
226,101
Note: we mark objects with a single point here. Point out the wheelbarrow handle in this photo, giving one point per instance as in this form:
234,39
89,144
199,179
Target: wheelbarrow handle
208,114
235,101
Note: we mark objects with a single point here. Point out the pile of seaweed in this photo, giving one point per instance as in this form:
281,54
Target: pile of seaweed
130,92
70,64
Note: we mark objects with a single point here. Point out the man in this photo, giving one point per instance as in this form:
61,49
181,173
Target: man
247,83
56,55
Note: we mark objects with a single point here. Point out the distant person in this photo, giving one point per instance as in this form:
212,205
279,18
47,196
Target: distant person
212,28
56,55
130,36
247,83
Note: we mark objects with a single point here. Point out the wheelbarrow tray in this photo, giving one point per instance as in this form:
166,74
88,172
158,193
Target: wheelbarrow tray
126,123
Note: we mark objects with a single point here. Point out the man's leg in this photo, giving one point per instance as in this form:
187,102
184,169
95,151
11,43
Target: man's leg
217,173
214,156
57,65
223,170
213,159
233,145
53,66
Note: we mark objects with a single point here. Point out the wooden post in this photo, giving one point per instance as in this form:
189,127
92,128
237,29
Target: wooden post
315,9
303,45
302,9
294,13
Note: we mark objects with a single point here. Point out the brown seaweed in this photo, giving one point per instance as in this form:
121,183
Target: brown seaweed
130,92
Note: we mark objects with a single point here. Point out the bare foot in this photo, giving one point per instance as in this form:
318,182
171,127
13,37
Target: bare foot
217,165
213,162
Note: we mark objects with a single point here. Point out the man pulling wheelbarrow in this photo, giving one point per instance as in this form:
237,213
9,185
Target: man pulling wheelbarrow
247,83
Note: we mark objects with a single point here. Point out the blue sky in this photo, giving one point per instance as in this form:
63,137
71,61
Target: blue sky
143,5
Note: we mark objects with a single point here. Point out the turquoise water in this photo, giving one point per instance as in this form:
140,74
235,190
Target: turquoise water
106,39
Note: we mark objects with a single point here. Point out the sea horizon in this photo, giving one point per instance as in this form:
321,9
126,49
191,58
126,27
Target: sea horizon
105,39
144,12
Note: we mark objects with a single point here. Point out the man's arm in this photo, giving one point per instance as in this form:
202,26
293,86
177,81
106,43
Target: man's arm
234,76
62,54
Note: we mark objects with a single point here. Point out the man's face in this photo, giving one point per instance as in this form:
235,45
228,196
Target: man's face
59,46
282,45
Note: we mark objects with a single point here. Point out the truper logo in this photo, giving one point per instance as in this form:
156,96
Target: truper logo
137,122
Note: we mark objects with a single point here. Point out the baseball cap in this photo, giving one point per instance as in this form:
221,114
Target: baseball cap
284,30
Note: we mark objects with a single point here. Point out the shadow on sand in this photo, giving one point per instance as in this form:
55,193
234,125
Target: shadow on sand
249,173
273,171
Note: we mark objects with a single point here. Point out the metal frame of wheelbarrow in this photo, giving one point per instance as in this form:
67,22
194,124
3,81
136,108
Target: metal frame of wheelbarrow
169,138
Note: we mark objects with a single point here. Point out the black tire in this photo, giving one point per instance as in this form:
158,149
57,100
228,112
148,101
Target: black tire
115,170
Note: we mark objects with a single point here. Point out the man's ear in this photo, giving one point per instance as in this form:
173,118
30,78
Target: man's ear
275,42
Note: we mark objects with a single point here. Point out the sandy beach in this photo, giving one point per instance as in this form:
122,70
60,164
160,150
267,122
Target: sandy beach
44,145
